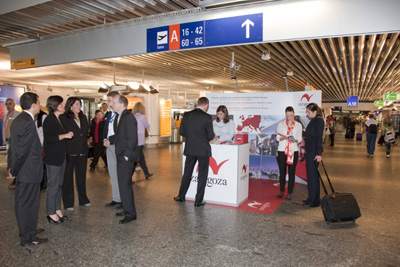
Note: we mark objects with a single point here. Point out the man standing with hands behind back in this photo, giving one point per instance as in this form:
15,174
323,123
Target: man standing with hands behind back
27,166
197,128
110,128
9,118
127,153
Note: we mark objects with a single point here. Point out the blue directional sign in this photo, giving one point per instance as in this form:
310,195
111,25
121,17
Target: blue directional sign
234,30
157,39
226,31
192,35
352,101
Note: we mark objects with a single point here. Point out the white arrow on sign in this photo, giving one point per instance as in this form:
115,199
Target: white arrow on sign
247,23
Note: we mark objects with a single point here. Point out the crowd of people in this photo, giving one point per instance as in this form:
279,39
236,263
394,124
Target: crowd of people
369,129
57,144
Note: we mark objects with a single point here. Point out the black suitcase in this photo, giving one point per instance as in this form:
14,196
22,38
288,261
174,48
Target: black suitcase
347,135
338,207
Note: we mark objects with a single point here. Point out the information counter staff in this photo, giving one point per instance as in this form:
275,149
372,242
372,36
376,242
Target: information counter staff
224,128
289,135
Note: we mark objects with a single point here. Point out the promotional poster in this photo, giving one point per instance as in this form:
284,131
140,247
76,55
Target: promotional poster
258,115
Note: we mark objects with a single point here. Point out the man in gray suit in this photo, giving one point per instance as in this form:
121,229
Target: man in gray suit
26,165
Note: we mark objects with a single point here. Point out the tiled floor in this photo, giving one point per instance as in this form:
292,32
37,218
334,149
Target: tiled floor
174,234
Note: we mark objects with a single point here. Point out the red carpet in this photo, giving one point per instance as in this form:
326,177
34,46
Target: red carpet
262,197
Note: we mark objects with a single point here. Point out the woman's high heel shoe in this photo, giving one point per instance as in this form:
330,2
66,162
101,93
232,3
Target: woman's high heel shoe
280,195
51,220
289,197
63,217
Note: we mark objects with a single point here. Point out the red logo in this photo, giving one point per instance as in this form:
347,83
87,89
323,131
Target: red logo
307,97
244,169
214,166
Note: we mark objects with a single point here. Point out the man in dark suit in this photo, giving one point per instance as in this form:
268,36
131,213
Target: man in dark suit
197,128
110,127
127,153
27,166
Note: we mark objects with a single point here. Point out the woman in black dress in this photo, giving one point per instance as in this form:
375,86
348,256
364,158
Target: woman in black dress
77,152
314,132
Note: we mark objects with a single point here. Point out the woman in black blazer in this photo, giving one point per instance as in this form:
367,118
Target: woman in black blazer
77,151
314,132
55,146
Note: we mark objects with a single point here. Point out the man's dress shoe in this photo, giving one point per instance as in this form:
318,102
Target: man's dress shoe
127,220
120,213
179,199
112,203
200,204
39,231
38,241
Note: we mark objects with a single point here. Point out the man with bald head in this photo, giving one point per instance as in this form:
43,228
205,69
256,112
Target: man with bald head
9,118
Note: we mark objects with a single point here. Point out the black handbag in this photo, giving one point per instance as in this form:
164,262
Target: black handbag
146,133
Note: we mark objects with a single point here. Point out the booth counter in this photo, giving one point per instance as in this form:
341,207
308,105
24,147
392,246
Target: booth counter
228,175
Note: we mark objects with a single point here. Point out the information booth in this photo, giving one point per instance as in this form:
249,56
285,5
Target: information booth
228,175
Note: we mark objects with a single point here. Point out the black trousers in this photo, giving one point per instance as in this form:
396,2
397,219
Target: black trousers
283,167
313,183
142,161
79,165
332,137
98,152
124,172
26,210
352,131
190,162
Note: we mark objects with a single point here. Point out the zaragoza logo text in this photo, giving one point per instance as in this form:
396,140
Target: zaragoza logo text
215,167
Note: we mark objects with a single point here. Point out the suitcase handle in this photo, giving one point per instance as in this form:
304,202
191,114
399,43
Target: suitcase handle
327,176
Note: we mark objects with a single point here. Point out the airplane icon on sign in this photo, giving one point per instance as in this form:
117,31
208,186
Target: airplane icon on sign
161,37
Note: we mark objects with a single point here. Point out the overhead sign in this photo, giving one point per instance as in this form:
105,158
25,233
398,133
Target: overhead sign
391,96
232,30
379,103
23,63
352,101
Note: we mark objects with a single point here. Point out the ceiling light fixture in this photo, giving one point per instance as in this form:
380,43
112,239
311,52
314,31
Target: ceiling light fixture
133,85
289,72
20,40
266,55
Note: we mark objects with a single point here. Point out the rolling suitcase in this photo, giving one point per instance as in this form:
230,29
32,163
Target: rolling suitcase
338,207
359,136
347,135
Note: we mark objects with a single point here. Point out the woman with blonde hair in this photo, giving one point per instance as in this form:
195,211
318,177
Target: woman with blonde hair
142,124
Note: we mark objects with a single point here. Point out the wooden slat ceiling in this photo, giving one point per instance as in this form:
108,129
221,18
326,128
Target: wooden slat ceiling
366,65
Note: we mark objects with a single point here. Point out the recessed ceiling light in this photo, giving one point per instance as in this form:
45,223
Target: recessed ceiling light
5,65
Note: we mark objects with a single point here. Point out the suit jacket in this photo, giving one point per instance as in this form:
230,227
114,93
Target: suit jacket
197,128
126,139
314,132
26,154
107,122
55,150
78,144
92,131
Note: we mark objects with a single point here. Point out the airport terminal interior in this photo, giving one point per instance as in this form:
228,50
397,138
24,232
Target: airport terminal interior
256,57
